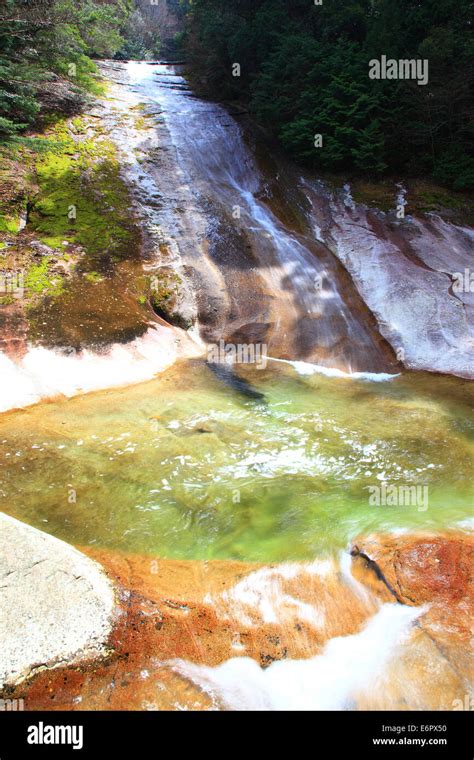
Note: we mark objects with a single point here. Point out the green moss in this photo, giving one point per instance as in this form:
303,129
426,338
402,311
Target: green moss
93,277
434,200
381,195
164,292
14,187
140,123
9,224
53,242
425,196
77,125
6,300
82,199
40,281
164,289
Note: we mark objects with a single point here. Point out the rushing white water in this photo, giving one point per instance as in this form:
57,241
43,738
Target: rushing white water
45,373
221,183
211,161
260,597
348,667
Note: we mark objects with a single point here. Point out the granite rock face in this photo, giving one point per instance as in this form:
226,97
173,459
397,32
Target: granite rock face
415,275
57,604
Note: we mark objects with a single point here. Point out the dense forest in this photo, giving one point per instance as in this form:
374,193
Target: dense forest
304,71
301,69
48,47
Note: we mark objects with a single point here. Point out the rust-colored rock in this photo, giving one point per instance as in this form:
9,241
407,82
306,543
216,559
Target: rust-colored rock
202,612
433,570
209,612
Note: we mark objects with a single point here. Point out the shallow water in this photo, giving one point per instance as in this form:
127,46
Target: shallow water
185,466
348,670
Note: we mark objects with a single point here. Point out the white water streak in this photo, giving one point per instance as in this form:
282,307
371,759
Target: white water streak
348,667
305,368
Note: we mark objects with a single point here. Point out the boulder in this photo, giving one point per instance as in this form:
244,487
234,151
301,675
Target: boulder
57,604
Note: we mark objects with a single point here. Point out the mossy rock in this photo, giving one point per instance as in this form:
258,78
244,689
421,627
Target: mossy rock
83,199
164,296
40,280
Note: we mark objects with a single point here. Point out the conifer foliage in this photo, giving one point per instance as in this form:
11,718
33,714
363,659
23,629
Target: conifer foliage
304,71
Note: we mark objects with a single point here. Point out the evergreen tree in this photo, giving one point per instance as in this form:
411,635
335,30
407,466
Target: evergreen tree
41,39
304,71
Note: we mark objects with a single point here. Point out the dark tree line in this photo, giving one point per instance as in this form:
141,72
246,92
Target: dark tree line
304,71
48,47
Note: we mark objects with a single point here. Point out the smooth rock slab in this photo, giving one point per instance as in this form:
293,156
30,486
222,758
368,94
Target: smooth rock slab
56,604
182,618
405,272
415,307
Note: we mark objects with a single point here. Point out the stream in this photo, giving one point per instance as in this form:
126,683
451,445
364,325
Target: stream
269,465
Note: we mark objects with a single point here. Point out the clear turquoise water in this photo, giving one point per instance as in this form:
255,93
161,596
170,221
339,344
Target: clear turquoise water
186,467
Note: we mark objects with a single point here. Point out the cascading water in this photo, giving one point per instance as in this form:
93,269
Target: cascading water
302,313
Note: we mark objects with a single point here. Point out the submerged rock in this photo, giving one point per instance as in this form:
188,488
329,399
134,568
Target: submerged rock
228,376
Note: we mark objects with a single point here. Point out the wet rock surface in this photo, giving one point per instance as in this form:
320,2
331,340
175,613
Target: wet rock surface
205,613
432,570
177,621
411,273
248,271
256,264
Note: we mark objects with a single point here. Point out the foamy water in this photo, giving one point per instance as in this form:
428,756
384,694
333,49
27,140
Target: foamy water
46,373
260,597
306,368
348,667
